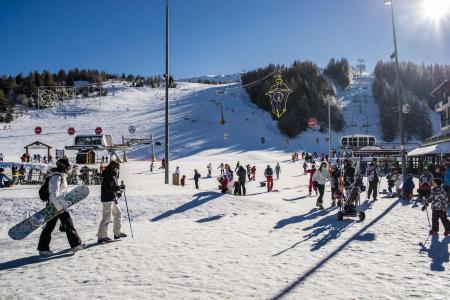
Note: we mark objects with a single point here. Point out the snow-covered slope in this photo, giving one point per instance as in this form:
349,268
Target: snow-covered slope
200,244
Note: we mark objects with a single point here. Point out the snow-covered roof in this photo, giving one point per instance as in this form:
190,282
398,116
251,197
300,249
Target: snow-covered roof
442,148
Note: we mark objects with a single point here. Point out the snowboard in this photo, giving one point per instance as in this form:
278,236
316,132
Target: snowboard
27,226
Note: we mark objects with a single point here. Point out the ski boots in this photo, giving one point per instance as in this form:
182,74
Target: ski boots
78,248
432,232
46,253
120,235
104,240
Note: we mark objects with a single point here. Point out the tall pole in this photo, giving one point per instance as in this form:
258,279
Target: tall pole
329,127
399,97
167,95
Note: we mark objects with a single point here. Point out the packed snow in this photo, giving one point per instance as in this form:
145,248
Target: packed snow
200,244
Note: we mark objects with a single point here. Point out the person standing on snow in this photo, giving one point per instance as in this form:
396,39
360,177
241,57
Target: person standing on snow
254,173
221,167
249,170
335,175
321,176
57,188
196,178
110,192
278,170
209,170
1,157
241,173
238,164
439,204
373,175
268,173
311,174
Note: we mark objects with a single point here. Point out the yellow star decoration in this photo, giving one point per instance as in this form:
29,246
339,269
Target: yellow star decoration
279,93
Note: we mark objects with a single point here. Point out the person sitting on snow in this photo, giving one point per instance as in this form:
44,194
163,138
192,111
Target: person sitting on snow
5,181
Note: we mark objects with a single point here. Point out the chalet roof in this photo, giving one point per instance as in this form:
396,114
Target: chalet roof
38,143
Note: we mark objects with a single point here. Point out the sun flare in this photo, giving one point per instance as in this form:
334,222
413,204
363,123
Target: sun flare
436,9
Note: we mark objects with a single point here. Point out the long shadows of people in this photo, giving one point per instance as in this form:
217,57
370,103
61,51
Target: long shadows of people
312,214
438,252
357,236
35,259
200,199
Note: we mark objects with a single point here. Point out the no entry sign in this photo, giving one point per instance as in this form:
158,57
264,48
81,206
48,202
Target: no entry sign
38,130
312,122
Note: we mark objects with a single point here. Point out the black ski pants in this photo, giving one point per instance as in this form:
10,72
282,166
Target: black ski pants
435,216
321,188
373,189
242,190
196,184
66,222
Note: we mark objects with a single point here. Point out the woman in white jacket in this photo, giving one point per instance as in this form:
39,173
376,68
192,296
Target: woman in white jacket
321,176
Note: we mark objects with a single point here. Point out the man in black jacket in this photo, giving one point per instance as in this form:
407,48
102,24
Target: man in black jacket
110,191
241,178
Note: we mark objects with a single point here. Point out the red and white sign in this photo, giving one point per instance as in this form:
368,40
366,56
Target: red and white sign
312,122
38,130
71,131
98,130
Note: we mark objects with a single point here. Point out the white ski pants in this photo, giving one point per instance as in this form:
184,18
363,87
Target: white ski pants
110,208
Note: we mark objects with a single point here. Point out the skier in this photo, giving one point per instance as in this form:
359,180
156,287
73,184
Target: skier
238,164
183,180
163,163
425,185
221,167
249,170
439,203
229,176
110,192
196,178
241,180
57,188
311,174
1,156
151,167
408,187
335,175
268,173
373,175
223,184
391,183
321,176
254,173
209,167
278,170
5,181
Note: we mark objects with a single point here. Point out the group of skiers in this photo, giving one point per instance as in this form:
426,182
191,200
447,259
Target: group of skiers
57,190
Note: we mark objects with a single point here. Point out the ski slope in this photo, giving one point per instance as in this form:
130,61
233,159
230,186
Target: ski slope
200,244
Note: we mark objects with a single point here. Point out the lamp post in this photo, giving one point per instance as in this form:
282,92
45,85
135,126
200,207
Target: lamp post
167,96
397,88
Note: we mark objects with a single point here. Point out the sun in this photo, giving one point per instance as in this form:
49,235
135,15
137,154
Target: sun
436,9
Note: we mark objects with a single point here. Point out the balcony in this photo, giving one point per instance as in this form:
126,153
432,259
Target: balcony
442,105
445,124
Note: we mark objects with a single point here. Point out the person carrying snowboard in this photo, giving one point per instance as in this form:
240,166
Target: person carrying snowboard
373,175
278,170
268,173
439,203
57,190
241,173
110,192
196,178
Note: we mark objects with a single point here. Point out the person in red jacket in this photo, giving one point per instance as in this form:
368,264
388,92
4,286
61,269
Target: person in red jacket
311,173
253,173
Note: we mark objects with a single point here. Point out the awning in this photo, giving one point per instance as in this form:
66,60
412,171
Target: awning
442,148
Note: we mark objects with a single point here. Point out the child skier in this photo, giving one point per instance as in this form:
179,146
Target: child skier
268,173
425,185
408,187
311,174
439,202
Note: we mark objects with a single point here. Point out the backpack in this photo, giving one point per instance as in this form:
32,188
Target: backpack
44,193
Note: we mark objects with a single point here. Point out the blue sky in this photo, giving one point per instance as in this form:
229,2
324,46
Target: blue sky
210,36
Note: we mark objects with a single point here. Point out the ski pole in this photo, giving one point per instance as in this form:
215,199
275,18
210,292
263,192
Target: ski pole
428,218
128,212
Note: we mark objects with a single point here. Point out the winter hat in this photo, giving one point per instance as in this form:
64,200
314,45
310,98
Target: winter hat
63,163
